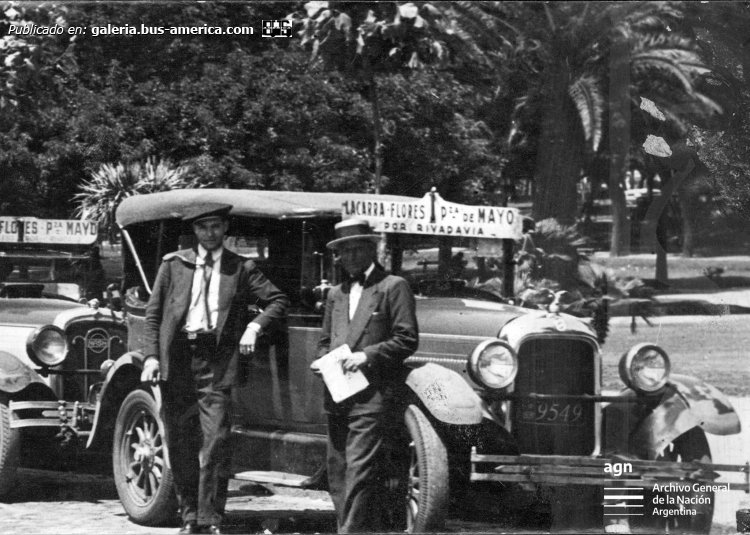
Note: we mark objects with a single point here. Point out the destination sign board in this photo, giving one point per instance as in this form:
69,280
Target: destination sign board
433,215
47,231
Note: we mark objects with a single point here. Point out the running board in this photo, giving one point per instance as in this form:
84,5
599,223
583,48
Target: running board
272,478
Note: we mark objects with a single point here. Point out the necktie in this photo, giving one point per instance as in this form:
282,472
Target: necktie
208,264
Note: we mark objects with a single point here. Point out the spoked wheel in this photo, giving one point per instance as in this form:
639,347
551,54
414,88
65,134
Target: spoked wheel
143,480
427,485
697,509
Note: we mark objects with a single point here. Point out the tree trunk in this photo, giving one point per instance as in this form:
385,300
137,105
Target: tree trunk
687,210
619,143
444,256
661,275
377,156
654,216
559,159
376,133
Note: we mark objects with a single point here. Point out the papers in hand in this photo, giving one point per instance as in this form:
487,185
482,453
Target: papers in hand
341,384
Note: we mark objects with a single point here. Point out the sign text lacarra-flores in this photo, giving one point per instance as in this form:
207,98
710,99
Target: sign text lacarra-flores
433,215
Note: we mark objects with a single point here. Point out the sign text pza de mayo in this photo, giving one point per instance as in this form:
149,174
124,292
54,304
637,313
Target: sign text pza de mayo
433,215
51,231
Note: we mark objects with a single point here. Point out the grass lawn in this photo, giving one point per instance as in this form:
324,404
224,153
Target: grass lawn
713,348
684,273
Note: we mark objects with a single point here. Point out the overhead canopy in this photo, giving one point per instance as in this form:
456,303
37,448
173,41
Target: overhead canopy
248,203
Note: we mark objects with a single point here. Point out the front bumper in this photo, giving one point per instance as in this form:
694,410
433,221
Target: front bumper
75,417
551,470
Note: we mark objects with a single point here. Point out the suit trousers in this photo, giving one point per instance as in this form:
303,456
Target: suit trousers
357,470
197,419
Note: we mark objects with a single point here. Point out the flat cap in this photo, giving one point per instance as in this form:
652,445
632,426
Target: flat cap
207,210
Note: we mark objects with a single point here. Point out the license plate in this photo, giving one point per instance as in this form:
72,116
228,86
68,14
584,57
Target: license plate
552,412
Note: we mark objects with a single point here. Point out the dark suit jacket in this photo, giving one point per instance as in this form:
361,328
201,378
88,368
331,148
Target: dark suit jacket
384,326
241,284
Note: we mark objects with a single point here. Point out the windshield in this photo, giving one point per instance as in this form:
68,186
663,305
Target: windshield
449,267
50,274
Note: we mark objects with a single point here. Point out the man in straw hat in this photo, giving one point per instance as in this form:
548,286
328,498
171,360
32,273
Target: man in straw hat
197,325
374,314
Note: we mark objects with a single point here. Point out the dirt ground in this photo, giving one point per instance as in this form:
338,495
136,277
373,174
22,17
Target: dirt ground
49,502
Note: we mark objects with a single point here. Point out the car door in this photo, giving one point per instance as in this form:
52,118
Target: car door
282,393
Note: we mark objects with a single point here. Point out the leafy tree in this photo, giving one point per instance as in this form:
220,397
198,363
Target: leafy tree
721,31
36,71
366,40
433,137
270,121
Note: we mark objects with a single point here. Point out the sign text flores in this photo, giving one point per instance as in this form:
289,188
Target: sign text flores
33,230
433,215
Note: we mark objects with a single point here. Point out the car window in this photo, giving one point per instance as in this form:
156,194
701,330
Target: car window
451,267
253,247
71,278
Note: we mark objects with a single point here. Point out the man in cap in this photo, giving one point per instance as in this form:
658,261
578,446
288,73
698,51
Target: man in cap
374,314
197,324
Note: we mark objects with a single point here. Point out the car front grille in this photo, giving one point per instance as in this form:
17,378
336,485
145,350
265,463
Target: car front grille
555,425
89,345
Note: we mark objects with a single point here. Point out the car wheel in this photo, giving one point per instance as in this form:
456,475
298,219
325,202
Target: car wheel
10,441
427,484
139,457
690,446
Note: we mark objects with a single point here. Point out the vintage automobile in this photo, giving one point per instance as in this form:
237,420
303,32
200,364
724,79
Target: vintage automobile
54,339
503,399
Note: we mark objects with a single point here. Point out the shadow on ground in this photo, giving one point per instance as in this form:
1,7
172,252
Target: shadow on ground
49,486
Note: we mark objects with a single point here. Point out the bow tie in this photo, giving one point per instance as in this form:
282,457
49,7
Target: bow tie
360,278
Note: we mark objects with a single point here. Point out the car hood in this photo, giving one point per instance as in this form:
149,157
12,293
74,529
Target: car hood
468,317
34,311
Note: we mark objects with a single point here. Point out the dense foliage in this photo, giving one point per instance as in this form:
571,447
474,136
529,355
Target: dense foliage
462,96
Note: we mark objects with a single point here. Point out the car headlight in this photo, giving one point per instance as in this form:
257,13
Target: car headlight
645,368
493,363
47,346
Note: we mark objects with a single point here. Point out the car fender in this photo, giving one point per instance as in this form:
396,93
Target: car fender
686,402
446,395
15,375
122,378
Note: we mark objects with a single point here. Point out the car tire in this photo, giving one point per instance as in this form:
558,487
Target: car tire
10,444
690,446
139,459
427,484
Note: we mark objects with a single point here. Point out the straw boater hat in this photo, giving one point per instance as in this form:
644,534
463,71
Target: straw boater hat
352,229
207,210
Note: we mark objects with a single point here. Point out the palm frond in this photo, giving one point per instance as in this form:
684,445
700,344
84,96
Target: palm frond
99,197
653,16
493,15
480,29
666,41
667,63
589,102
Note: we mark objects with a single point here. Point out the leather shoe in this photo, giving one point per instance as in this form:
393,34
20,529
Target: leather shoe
188,528
213,529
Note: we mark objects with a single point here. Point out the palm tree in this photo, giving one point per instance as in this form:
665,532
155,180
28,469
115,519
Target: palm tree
580,69
574,70
99,197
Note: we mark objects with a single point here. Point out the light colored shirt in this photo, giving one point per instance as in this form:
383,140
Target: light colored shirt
196,317
355,292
